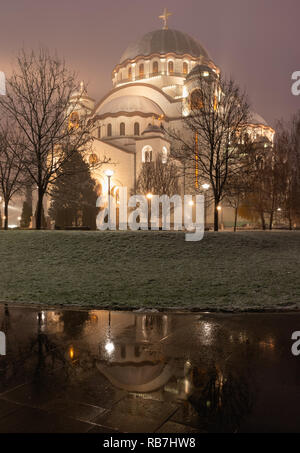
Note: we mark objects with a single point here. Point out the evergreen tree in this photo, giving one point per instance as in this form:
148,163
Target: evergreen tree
74,196
26,215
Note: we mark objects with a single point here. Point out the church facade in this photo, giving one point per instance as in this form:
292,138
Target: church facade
151,85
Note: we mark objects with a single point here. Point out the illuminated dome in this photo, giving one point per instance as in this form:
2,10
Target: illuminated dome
255,118
130,104
164,42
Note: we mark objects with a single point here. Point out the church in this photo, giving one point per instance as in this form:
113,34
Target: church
151,85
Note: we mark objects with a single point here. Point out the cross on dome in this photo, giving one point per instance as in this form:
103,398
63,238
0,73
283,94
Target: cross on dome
164,17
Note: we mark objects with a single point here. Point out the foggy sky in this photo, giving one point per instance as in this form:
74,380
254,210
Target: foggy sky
255,41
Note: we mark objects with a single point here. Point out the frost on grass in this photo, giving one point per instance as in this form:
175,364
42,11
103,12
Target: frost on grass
154,270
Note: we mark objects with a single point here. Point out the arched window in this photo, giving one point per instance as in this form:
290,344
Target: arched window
130,73
185,68
109,130
136,129
99,131
171,67
164,157
93,159
155,67
122,129
147,154
141,71
196,100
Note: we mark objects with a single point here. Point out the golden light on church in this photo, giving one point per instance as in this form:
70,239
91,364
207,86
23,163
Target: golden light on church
93,159
74,120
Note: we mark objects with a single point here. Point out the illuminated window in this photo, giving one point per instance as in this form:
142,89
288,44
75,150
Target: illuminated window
215,103
141,71
196,100
171,67
185,68
147,154
93,159
136,129
122,129
130,73
155,67
109,130
164,158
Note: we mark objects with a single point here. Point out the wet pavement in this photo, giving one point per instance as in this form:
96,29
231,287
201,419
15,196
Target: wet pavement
105,372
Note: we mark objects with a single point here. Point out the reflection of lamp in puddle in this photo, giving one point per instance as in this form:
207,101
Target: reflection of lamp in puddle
109,174
71,352
93,319
109,347
41,317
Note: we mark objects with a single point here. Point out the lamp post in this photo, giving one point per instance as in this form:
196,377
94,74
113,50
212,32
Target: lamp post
109,174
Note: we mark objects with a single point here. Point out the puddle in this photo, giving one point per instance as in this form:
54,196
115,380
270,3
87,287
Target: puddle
101,371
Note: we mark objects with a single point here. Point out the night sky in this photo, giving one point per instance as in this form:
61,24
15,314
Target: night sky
255,41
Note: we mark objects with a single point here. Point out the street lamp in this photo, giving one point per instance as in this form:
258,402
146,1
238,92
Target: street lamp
109,174
205,186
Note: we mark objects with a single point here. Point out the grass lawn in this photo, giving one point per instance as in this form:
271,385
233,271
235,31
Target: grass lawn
227,271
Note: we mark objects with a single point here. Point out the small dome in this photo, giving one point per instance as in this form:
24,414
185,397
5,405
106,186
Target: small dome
199,69
163,42
130,104
255,118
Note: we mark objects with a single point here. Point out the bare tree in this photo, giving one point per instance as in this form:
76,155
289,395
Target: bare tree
11,166
39,100
287,148
208,148
158,178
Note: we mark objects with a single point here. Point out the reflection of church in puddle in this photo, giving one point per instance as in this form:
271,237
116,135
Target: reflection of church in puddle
134,359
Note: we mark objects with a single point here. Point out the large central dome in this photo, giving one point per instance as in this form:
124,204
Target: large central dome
163,42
